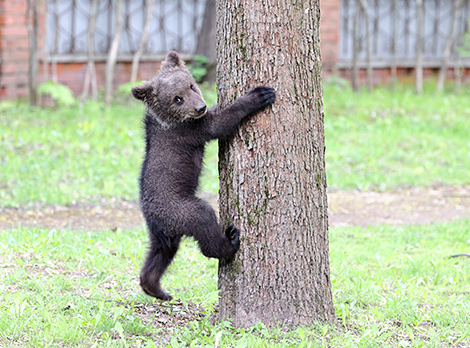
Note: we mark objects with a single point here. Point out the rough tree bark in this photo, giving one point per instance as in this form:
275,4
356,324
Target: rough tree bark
206,40
113,51
273,182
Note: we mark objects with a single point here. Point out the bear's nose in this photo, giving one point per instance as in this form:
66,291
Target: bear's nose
201,109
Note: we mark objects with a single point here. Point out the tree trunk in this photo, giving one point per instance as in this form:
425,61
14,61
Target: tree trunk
394,19
45,52
113,52
55,48
355,66
143,41
450,40
272,173
90,77
458,76
365,11
206,40
32,26
419,46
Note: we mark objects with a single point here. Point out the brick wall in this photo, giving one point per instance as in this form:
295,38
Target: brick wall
14,52
13,48
381,76
329,33
73,74
14,56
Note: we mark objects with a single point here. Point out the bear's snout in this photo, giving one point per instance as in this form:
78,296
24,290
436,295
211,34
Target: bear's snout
201,109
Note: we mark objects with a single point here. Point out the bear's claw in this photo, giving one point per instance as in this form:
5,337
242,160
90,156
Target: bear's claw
264,96
154,289
233,235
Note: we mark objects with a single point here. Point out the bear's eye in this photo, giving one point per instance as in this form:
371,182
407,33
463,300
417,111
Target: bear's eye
178,100
193,88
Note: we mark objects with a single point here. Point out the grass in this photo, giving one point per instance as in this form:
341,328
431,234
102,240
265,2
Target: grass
392,286
386,140
69,154
380,140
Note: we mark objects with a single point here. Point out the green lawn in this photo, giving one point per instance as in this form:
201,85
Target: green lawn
379,140
392,287
59,156
385,140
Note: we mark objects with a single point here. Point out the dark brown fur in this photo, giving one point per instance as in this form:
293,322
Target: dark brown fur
177,126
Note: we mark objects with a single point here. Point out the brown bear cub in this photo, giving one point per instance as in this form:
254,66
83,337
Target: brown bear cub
177,126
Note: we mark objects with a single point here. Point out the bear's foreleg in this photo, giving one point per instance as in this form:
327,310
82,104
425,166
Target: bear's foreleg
221,123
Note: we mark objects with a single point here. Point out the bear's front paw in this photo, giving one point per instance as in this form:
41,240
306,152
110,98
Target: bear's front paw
262,97
233,235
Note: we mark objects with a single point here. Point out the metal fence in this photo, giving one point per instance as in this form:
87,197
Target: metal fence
175,25
393,31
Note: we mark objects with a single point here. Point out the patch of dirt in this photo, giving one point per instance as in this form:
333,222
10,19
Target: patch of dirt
169,314
78,216
346,208
402,207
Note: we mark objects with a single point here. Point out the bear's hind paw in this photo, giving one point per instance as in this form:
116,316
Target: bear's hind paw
162,295
154,290
233,235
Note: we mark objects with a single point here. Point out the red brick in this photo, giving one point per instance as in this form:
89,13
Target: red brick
16,55
20,44
15,19
8,68
329,37
12,6
14,31
14,79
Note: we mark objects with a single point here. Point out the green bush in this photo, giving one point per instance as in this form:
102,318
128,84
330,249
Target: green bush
58,92
198,67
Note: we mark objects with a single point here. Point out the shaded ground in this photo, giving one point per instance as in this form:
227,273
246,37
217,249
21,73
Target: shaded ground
346,208
401,207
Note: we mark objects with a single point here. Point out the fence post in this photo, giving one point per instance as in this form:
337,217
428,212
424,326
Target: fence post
450,40
90,77
113,51
143,41
419,47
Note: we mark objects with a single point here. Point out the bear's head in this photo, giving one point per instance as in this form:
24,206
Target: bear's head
172,96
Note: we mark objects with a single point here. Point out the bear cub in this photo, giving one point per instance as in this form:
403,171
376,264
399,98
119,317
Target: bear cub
177,126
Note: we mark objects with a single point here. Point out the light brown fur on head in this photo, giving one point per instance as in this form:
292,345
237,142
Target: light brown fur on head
172,96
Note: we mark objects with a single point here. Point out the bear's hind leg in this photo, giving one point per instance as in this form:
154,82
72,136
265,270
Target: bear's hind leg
158,259
212,240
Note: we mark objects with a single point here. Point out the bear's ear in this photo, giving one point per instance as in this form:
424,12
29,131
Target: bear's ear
172,60
141,92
